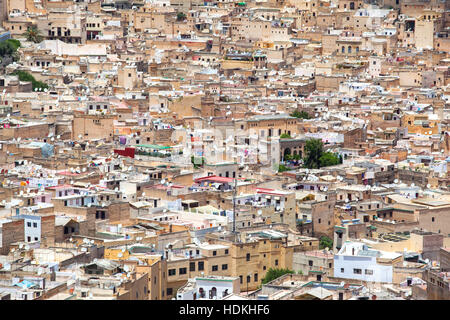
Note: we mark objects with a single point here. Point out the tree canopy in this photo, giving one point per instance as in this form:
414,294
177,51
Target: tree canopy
313,151
285,136
316,157
300,114
25,76
325,242
33,34
181,16
273,274
9,47
282,168
329,159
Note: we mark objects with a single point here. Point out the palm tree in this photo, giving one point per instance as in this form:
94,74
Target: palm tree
33,34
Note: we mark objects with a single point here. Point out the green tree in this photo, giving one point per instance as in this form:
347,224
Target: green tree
313,150
181,16
25,76
13,43
285,136
325,242
9,48
300,114
33,34
273,274
197,162
329,159
282,168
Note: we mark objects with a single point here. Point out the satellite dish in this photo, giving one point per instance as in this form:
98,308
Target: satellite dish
396,181
428,186
120,255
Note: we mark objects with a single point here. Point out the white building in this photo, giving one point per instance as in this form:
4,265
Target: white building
208,288
356,261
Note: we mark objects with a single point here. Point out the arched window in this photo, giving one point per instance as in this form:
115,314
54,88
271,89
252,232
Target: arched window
349,49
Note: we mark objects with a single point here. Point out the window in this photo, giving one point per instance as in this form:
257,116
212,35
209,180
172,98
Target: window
224,267
169,291
369,272
240,278
192,266
172,272
256,277
214,253
201,266
310,263
182,271
215,268
342,270
248,279
357,271
248,257
34,225
276,262
226,251
29,239
29,224
432,219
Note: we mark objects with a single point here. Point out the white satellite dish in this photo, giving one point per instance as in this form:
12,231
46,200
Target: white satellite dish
396,181
120,255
